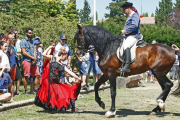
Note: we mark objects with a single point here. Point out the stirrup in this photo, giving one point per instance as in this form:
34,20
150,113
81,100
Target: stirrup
126,70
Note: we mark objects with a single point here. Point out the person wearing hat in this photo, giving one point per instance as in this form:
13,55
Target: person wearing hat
131,32
39,63
62,42
39,57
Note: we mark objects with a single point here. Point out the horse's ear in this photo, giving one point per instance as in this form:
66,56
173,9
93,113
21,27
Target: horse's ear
79,27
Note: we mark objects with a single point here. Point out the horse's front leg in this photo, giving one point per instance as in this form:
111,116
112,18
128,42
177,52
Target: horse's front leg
103,79
112,111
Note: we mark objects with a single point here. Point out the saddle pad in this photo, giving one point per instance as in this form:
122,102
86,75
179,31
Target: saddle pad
120,51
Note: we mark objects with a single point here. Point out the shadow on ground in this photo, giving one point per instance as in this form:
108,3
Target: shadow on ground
127,112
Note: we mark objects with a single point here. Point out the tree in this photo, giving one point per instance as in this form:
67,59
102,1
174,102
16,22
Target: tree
177,4
116,11
174,20
164,12
85,12
145,14
152,15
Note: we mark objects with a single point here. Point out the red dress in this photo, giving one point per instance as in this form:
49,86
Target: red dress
53,95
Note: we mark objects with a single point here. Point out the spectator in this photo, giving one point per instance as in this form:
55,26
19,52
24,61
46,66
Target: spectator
15,72
69,80
52,43
2,37
9,31
62,42
175,68
5,82
39,57
4,58
17,45
4,96
29,60
83,66
39,61
90,63
96,70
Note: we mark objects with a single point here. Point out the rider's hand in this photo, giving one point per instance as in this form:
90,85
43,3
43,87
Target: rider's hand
123,32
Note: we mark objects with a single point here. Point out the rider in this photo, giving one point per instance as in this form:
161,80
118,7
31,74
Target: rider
131,32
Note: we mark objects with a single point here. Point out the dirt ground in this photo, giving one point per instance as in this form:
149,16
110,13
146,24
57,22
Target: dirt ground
131,104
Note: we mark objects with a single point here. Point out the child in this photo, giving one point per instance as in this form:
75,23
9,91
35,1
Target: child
70,80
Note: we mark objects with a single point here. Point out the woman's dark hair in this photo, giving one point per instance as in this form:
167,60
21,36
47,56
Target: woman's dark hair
2,43
27,29
74,67
52,41
2,36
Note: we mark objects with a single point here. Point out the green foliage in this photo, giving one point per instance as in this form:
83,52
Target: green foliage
145,14
177,4
174,19
116,12
164,12
162,34
152,15
85,12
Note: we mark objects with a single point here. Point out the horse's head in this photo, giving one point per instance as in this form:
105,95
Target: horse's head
79,37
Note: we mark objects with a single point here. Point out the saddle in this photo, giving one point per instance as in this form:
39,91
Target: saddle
120,51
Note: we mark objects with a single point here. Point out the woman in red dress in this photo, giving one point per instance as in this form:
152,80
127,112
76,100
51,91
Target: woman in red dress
52,94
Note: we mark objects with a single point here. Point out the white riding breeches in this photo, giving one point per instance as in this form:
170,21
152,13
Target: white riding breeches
129,42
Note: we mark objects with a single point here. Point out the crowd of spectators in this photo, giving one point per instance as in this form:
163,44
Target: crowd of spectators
27,53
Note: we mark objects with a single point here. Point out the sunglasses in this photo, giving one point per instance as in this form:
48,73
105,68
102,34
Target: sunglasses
30,33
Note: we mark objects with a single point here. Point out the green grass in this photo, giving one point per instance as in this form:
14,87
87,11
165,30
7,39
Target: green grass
22,96
131,104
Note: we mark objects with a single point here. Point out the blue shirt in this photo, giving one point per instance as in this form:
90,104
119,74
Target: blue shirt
5,80
12,59
29,46
132,25
91,56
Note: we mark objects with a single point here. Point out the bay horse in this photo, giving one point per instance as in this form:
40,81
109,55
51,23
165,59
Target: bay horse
158,58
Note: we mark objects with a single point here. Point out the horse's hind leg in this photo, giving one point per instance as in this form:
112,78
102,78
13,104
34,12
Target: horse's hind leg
103,79
166,85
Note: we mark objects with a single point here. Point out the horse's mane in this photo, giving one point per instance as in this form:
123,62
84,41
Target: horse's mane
100,38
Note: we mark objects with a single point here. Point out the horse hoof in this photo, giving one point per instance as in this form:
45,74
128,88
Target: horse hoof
161,104
153,113
102,105
110,114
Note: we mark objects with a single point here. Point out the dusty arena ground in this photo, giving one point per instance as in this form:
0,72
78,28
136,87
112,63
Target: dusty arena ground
131,104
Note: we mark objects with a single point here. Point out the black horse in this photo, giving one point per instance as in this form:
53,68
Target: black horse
158,58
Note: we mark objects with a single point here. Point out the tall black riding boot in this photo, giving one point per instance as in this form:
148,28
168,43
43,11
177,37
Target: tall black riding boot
127,61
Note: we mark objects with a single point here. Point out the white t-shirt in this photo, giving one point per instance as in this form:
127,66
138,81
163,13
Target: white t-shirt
4,61
176,61
18,44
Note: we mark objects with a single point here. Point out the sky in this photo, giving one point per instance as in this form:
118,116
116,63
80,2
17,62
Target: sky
147,6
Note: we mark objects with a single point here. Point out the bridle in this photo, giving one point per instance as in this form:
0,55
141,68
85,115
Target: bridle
81,40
